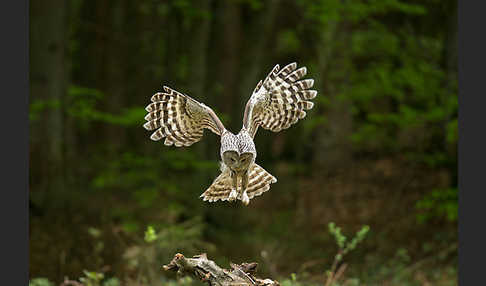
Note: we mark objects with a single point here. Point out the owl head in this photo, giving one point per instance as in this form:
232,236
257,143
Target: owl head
237,152
237,162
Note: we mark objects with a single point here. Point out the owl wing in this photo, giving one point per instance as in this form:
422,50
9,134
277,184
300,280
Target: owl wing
179,118
280,100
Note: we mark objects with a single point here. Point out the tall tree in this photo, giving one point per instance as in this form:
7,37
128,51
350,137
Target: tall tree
116,62
200,30
231,42
254,58
48,79
332,148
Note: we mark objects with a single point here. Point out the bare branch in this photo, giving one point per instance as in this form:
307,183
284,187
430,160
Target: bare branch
208,271
68,282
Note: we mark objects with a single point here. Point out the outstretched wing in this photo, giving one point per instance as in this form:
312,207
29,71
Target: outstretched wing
280,100
179,118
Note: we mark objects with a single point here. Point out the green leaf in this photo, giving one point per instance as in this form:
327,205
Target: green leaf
150,234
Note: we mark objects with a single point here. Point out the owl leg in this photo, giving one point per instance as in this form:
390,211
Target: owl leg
244,180
244,198
244,184
233,194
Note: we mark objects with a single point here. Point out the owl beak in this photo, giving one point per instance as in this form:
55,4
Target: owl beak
236,169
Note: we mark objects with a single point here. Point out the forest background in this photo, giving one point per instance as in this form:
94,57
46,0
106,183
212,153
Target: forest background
378,149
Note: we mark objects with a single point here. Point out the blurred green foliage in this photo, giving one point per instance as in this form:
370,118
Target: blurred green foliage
341,240
40,282
150,234
83,107
438,204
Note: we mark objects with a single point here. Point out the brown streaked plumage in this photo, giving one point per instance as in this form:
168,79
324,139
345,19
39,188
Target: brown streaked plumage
277,102
259,182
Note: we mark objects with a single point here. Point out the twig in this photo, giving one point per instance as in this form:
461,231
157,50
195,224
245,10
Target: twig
420,263
339,272
333,269
68,282
310,263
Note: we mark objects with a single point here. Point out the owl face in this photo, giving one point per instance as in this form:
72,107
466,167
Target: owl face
236,162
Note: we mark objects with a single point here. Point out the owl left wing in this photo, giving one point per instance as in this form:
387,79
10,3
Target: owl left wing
179,118
280,100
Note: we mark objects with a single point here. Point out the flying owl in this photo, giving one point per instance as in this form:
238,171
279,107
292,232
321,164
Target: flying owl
277,102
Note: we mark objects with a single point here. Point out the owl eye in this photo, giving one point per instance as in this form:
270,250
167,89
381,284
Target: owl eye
233,160
243,160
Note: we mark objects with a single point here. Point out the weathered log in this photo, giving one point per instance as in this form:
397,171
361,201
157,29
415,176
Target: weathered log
208,271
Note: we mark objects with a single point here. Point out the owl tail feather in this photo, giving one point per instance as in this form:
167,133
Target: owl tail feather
258,182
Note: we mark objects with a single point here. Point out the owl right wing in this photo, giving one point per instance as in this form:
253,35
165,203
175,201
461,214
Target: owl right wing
179,118
280,100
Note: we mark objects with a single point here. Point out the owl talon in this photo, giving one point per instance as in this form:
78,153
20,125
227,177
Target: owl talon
232,195
245,199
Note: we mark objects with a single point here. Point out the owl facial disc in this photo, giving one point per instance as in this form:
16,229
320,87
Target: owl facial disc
236,162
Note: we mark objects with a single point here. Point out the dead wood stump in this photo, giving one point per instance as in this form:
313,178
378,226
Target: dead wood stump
206,270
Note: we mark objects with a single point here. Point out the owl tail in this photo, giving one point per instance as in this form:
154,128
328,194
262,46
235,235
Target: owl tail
258,182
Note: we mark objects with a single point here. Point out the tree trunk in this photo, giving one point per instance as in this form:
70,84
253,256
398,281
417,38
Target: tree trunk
450,59
48,80
115,86
255,59
230,61
332,143
197,75
197,56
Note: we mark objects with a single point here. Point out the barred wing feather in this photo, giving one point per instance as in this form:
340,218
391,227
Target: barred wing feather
179,118
280,100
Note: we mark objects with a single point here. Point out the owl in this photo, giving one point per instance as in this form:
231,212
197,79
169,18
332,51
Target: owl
277,102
